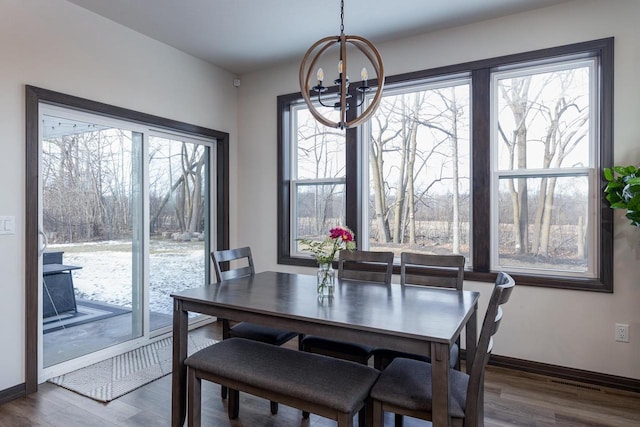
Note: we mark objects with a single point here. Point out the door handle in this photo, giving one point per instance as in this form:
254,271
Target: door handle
45,242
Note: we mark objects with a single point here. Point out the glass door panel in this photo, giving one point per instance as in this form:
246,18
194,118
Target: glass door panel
92,275
178,222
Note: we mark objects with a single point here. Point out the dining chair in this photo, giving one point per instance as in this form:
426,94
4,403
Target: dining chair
365,266
443,271
405,386
230,264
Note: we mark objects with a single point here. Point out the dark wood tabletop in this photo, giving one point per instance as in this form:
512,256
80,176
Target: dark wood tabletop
407,318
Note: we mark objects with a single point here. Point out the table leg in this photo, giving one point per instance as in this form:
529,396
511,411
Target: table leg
179,370
471,333
440,378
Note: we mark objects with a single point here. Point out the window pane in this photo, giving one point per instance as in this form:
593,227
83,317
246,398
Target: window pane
178,173
543,118
89,199
544,122
419,193
319,208
320,150
556,227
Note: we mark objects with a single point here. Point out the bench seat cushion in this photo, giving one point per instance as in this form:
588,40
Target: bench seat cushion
337,384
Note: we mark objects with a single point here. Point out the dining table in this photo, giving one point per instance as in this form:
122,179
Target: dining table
415,319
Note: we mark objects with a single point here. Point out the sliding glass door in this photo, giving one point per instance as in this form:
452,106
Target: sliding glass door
125,216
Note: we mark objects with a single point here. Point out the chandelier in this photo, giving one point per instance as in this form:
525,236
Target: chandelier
345,100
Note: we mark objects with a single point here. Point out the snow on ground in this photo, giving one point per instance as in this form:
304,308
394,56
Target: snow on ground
106,274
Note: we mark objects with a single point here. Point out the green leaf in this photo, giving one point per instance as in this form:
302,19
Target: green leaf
634,203
622,170
613,199
623,190
613,186
634,181
634,216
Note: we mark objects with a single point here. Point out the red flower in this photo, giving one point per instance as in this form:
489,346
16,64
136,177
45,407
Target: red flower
340,238
342,233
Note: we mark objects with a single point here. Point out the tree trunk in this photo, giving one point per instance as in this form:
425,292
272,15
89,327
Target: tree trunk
377,181
455,218
546,218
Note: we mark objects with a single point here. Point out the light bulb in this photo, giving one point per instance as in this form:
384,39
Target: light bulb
340,67
320,75
364,74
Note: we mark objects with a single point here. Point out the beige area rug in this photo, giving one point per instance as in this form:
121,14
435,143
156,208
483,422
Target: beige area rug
112,378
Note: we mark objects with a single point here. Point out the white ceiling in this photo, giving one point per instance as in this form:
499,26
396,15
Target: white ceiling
247,35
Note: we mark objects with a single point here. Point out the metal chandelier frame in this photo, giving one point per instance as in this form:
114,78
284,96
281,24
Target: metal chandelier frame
310,61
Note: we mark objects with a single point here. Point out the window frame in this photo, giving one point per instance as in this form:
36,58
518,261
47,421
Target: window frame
481,76
498,173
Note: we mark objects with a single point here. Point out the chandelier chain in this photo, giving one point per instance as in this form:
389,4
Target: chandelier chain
341,17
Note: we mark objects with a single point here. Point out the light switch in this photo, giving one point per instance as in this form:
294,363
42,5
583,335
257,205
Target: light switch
7,225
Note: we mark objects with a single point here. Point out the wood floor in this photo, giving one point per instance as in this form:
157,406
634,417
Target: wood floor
511,399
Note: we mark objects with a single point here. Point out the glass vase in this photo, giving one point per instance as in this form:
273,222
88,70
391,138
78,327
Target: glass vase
326,280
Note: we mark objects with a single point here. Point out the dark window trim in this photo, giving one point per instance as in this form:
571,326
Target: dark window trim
33,97
480,72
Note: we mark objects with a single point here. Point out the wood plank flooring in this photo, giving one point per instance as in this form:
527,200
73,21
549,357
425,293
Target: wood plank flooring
511,399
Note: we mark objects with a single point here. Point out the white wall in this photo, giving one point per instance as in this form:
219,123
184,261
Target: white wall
565,328
58,46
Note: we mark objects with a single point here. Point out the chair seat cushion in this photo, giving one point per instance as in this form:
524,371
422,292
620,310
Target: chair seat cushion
338,384
407,383
361,351
387,355
255,332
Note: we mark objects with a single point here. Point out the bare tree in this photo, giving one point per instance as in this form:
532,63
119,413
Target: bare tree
319,148
90,180
564,119
516,96
385,135
413,150
561,138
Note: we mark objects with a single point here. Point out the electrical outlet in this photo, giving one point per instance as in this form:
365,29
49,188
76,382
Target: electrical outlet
622,332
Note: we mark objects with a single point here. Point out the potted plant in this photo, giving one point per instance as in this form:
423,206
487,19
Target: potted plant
623,190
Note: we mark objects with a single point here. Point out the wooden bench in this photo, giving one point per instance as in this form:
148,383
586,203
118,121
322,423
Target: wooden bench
332,388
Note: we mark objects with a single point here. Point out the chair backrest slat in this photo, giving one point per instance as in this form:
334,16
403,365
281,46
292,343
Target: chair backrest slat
367,266
241,263
444,271
502,290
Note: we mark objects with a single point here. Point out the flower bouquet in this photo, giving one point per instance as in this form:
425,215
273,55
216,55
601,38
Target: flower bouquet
325,252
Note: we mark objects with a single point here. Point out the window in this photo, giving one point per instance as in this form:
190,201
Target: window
499,160
419,170
318,175
543,140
